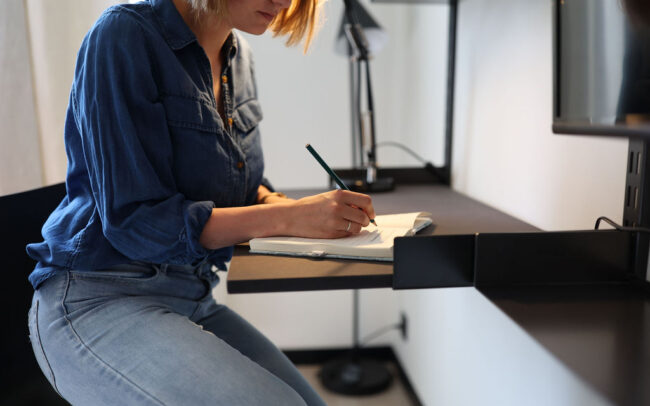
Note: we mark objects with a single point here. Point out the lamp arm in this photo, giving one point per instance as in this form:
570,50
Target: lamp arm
348,12
372,154
356,37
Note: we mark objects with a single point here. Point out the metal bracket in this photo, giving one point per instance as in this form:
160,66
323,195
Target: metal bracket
637,197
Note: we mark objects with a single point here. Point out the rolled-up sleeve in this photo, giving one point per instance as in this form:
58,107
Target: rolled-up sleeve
127,148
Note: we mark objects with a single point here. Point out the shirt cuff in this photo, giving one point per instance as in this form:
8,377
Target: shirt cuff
196,216
265,182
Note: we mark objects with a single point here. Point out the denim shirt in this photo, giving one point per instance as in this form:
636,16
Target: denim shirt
149,156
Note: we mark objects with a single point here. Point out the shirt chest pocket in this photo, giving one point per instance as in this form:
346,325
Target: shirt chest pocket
190,112
247,117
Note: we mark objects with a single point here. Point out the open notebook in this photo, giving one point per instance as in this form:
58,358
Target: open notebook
372,243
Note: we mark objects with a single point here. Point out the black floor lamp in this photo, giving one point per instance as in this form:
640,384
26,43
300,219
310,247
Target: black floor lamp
359,37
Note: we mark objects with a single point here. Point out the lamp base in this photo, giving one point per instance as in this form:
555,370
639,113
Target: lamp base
379,185
353,376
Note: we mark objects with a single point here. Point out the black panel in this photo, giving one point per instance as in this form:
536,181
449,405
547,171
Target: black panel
304,284
433,261
575,128
574,257
21,217
402,176
636,212
601,75
511,259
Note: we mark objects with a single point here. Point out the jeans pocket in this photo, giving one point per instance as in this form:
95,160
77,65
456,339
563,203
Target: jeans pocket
37,345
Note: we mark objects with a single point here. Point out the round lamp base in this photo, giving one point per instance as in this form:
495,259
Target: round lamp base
355,377
361,186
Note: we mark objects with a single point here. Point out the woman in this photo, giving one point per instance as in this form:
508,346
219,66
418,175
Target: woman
164,176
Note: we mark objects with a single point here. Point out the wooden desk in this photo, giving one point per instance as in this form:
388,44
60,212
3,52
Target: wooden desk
453,213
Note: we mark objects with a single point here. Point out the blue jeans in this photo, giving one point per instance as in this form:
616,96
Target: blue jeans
154,335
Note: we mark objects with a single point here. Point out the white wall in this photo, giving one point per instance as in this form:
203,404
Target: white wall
506,156
20,161
504,151
315,320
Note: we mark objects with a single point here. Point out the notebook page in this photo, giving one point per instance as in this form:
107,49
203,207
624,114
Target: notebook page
377,239
366,238
402,220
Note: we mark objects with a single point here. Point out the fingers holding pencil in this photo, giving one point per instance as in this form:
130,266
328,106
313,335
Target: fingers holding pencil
338,180
333,214
358,207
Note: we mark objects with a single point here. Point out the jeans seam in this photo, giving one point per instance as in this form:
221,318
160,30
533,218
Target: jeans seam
196,309
40,344
91,352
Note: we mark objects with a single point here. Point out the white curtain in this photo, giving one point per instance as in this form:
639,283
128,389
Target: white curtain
20,163
39,40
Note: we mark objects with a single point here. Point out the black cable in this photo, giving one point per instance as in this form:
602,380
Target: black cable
403,147
619,227
427,165
379,332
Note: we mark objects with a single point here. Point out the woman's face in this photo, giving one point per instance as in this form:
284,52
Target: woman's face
254,16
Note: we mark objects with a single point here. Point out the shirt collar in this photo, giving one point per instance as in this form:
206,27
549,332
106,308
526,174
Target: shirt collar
177,34
231,47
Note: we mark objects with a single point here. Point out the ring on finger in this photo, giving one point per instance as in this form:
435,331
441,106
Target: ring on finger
349,225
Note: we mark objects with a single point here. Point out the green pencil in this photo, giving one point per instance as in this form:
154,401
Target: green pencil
330,172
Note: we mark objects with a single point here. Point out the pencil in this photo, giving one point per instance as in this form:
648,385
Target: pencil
330,172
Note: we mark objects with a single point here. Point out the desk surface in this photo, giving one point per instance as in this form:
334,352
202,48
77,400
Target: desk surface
453,213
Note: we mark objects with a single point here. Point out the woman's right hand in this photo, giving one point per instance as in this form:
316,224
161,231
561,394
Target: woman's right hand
333,214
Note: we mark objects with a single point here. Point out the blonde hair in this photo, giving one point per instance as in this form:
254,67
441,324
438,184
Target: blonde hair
299,21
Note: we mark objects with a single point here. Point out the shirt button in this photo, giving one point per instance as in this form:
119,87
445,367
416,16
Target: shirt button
240,164
230,121
224,79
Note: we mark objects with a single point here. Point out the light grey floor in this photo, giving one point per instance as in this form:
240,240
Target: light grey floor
396,395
